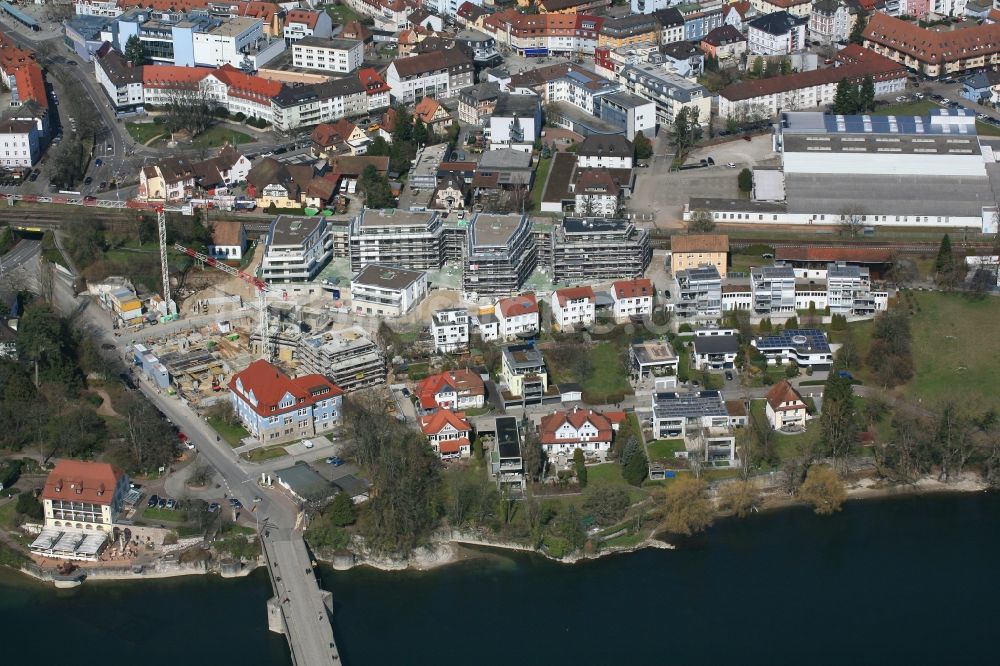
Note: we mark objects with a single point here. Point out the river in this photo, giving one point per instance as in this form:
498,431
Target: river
904,581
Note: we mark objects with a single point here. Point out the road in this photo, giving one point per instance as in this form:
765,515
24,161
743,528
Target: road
19,254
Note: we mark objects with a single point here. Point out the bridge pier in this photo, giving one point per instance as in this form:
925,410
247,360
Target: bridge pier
275,618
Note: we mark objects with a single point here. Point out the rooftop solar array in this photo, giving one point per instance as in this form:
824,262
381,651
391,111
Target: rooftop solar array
939,121
689,405
802,339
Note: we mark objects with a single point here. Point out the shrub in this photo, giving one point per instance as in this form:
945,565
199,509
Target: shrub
30,507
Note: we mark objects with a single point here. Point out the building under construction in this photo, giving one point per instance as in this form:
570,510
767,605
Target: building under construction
500,255
347,356
597,249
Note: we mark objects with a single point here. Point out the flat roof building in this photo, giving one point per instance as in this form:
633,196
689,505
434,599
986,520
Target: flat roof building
500,255
598,249
387,291
402,238
347,356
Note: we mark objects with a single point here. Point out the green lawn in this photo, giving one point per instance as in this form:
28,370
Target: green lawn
477,411
607,381
986,129
233,434
664,449
8,512
170,515
918,108
215,137
541,175
266,453
143,132
342,14
610,473
954,352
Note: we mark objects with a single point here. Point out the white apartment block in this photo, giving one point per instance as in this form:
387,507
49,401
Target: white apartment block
574,306
329,55
19,142
776,34
632,298
297,248
387,291
301,23
516,316
450,330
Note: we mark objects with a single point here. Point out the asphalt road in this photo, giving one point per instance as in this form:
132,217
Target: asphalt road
19,254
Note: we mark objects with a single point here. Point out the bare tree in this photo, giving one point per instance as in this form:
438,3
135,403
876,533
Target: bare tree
851,220
700,221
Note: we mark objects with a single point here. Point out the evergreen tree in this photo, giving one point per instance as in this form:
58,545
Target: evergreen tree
845,101
635,466
866,95
945,261
643,147
134,51
757,67
745,180
581,467
857,32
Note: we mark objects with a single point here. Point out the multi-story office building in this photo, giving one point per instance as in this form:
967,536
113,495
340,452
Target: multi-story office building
773,290
347,356
500,255
387,291
670,92
397,237
598,249
450,330
699,292
329,55
297,248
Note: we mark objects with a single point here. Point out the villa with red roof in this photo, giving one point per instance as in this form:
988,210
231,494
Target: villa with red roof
448,433
574,306
452,389
276,408
785,407
517,316
632,298
84,495
562,433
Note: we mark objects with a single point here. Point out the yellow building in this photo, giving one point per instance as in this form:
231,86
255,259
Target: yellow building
696,250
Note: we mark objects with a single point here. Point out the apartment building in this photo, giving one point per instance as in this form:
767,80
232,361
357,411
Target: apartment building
517,316
776,34
694,250
849,291
500,255
699,20
20,142
387,291
830,21
628,30
347,356
628,113
275,408
329,55
439,74
310,104
544,34
806,347
573,306
699,292
450,330
773,290
413,240
605,151
476,103
726,44
701,419
296,249
632,298
715,349
120,80
376,89
516,122
670,18
669,91
595,249
303,23
522,372
934,52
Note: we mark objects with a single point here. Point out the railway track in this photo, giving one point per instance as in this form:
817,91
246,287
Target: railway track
904,247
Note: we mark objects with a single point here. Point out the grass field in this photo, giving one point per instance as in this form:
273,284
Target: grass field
143,132
606,376
266,453
664,449
233,434
918,108
214,137
171,515
541,175
955,352
342,14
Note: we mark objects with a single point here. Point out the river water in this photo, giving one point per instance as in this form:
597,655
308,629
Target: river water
911,581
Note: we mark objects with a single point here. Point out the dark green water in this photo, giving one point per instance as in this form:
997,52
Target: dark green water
892,582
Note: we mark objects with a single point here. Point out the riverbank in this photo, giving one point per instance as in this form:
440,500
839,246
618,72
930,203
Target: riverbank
458,547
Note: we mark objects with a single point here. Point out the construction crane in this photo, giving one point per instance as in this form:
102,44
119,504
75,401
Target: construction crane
262,290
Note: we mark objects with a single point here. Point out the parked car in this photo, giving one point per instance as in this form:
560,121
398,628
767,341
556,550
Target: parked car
729,375
213,507
88,180
171,503
162,503
945,100
98,162
336,461
153,501
731,165
936,97
307,443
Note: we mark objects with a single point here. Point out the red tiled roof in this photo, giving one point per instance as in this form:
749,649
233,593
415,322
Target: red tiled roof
577,418
432,424
858,255
461,381
246,86
575,294
453,445
784,392
331,134
227,232
632,288
309,17
31,84
173,76
932,46
518,305
372,80
426,109
699,243
80,481
269,385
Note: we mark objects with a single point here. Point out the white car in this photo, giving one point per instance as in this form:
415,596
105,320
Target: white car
901,98
731,165
945,101
307,443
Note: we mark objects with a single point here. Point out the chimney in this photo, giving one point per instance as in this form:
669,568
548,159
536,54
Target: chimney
59,485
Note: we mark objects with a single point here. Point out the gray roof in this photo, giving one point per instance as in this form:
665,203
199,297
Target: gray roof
386,277
806,340
605,145
843,270
701,274
504,158
689,405
777,23
716,344
328,42
351,485
292,229
521,105
523,356
775,272
481,92
305,482
494,230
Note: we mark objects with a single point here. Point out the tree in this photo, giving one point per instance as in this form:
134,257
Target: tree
786,66
851,220
685,130
135,53
29,506
757,67
845,100
839,421
378,193
148,441
739,497
420,133
686,509
848,356
745,180
635,466
823,489
340,511
403,131
569,527
944,264
532,456
643,147
378,147
606,504
700,221
858,30
891,351
191,110
580,465
866,95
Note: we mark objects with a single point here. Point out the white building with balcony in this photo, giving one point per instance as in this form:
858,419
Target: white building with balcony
296,249
450,330
329,55
574,306
387,291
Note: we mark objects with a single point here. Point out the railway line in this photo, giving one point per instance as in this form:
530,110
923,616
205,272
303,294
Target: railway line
903,247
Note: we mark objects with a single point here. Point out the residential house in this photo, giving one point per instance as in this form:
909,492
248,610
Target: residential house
830,21
699,292
785,408
776,34
439,74
982,88
737,13
329,55
693,250
376,89
684,58
597,193
701,419
450,330
282,185
501,173
522,372
275,408
605,151
476,103
84,495
517,316
562,433
506,462
456,390
632,299
574,306
653,358
448,433
296,249
726,44
21,141
120,80
805,347
341,137
715,349
229,240
387,291
429,111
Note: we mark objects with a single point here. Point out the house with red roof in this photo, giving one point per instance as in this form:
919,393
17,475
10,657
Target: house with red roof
276,408
338,138
517,316
432,114
301,23
376,88
574,306
785,407
84,495
632,298
562,433
448,433
452,389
